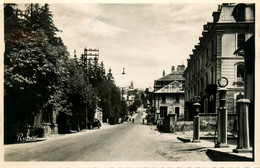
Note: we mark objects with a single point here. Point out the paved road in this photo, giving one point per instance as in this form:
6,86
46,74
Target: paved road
124,142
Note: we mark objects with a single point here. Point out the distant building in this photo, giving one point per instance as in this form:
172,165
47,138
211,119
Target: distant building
169,95
170,100
129,93
213,58
175,75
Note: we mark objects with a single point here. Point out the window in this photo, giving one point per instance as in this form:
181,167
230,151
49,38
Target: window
201,84
206,106
240,40
239,12
212,50
202,61
206,80
163,98
240,73
177,112
163,112
177,98
212,76
206,56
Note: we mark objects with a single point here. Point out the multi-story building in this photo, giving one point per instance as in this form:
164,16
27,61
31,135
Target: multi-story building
169,94
213,58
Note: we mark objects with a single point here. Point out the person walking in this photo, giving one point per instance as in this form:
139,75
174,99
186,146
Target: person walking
133,120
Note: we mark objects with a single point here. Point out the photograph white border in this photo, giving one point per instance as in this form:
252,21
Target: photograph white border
256,163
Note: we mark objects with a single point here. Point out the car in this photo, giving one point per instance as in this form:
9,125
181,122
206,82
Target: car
94,123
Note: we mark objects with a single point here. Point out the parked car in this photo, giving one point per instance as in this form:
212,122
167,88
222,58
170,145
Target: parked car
94,123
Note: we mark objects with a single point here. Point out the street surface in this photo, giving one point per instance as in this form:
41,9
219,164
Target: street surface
123,142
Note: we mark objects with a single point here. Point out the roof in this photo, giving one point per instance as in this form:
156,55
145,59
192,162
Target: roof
176,75
173,87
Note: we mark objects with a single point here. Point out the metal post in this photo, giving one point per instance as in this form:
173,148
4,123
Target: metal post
222,120
196,129
196,123
222,138
86,77
243,145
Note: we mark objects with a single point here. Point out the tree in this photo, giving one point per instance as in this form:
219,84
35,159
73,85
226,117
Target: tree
132,108
138,102
33,66
40,78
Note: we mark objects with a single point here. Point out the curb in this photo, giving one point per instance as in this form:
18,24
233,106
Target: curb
185,140
216,155
210,137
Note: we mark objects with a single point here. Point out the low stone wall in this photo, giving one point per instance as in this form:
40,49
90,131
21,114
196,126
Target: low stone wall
183,126
208,122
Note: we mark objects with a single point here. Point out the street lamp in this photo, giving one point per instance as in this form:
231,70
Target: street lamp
222,114
196,120
123,73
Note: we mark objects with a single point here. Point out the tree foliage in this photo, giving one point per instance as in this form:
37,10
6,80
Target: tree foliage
40,77
32,66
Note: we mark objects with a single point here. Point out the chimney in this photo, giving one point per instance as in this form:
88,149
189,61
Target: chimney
173,69
163,73
219,7
180,68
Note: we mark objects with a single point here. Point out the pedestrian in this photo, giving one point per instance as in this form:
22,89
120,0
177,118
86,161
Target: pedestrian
133,120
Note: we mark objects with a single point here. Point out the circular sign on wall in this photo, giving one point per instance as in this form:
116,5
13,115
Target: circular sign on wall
223,82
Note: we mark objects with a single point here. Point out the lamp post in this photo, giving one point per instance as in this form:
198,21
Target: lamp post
222,114
196,121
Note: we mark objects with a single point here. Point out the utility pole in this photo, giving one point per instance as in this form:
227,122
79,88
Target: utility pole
89,54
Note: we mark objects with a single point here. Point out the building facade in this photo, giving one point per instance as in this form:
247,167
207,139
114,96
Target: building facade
170,100
169,95
213,58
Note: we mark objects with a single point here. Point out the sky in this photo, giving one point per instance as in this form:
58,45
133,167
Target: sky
145,39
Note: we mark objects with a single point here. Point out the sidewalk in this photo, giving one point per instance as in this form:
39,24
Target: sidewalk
219,154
